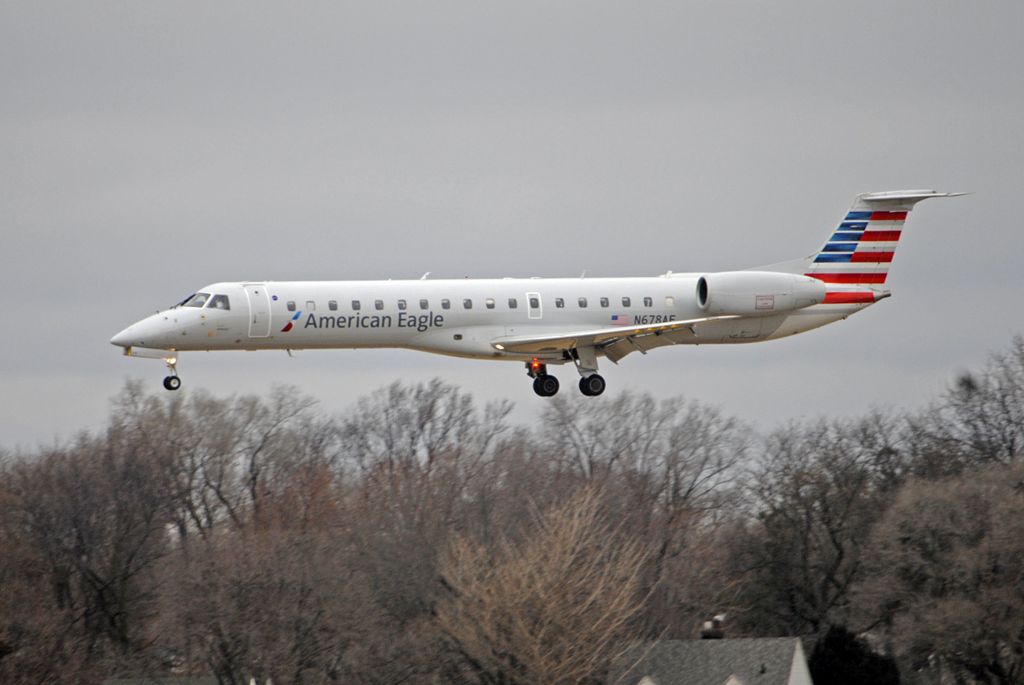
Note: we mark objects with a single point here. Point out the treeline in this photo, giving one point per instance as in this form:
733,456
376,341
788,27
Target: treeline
422,538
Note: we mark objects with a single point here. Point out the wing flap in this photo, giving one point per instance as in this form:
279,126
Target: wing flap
621,338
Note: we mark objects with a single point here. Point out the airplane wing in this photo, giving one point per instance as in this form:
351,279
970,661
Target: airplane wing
623,339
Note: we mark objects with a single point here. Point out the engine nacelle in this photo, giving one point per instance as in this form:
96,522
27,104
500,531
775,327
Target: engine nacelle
752,293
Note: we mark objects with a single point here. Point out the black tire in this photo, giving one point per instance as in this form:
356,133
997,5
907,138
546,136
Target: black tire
545,385
172,382
592,385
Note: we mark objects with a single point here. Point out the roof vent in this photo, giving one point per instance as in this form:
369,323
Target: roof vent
713,629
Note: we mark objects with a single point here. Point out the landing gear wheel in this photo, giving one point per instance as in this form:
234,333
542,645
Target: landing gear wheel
545,385
172,382
592,385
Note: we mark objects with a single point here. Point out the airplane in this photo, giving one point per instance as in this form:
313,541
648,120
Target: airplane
543,322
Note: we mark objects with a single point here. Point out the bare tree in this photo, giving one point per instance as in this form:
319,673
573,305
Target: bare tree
416,451
39,641
947,571
255,537
278,604
90,519
980,419
818,491
689,446
666,468
556,606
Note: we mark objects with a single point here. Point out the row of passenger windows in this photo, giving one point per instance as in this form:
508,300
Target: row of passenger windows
489,303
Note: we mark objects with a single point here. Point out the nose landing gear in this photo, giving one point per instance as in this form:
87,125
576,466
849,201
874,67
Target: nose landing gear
172,382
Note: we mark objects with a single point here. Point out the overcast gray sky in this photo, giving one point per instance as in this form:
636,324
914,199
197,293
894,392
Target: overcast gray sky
147,149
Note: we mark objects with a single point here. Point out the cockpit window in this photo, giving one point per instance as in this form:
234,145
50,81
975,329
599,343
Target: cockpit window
197,300
219,302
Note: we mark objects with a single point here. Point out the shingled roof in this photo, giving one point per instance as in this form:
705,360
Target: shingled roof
753,661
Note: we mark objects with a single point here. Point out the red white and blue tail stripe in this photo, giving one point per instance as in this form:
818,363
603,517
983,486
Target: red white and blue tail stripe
861,248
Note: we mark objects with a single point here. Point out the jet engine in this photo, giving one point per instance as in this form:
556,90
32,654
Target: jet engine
751,293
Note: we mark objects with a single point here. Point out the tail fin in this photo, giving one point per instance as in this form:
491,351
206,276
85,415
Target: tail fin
862,247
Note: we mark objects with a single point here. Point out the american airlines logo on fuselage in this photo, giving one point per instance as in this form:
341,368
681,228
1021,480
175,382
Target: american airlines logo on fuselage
291,322
421,322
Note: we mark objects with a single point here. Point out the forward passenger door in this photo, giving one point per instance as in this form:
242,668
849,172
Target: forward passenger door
259,309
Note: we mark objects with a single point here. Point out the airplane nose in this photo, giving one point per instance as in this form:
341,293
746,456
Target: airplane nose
122,339
152,331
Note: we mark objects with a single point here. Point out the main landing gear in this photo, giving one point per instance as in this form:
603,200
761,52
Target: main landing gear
546,385
592,385
543,384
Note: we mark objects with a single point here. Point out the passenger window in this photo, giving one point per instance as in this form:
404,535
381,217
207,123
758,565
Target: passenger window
310,306
291,305
356,306
467,303
489,303
648,301
197,300
219,302
604,301
332,305
424,304
583,302
535,303
378,304
513,303
670,301
401,305
446,304
625,302
559,302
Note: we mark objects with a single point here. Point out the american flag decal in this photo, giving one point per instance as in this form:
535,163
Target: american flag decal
621,320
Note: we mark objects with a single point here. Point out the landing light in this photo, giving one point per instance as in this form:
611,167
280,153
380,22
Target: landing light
499,346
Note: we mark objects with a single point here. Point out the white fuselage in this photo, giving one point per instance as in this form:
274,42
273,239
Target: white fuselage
545,321
463,317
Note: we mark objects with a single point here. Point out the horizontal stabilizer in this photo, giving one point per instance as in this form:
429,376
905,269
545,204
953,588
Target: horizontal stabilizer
897,199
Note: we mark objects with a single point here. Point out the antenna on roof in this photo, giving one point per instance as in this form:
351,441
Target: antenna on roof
424,276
